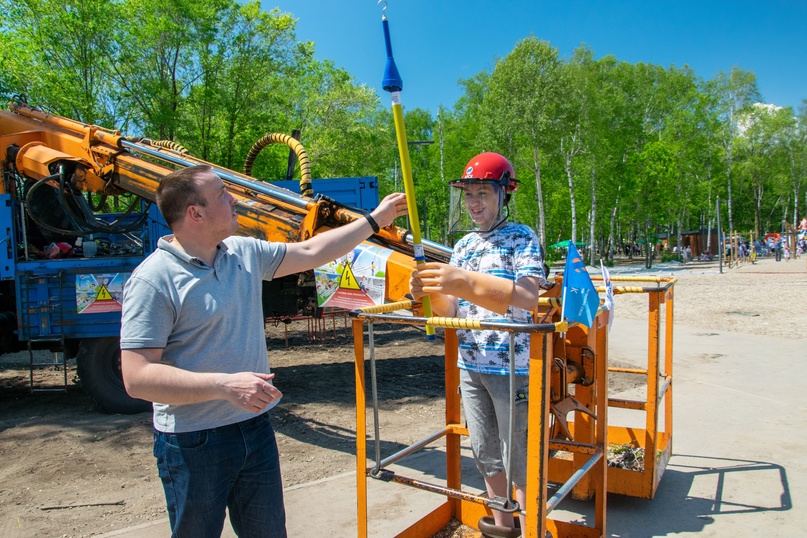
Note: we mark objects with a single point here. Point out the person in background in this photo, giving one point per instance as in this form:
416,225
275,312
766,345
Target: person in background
495,273
193,342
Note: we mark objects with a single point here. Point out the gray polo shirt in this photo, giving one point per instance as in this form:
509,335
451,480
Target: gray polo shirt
206,319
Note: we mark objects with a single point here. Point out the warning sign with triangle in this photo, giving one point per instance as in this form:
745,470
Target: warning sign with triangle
103,302
348,280
103,295
99,293
350,293
355,280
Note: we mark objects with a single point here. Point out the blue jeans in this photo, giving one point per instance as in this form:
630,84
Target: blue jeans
233,467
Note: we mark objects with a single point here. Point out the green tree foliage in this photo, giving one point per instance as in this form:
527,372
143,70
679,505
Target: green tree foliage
653,172
341,124
762,165
212,75
457,141
158,57
736,91
57,52
520,109
606,151
243,92
793,143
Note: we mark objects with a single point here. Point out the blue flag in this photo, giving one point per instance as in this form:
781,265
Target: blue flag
580,299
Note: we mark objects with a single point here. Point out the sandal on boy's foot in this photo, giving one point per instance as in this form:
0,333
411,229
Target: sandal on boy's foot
489,529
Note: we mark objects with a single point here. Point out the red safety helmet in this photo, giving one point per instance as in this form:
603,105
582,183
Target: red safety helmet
491,167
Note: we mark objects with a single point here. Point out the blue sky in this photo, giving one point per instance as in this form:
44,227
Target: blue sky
438,42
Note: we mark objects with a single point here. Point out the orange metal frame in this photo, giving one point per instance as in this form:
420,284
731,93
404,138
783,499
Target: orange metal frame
585,474
655,439
468,507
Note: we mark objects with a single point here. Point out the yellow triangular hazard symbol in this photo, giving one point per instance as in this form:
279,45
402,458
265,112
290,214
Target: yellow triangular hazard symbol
103,295
348,280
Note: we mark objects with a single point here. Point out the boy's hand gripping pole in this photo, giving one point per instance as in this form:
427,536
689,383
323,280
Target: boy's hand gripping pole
392,83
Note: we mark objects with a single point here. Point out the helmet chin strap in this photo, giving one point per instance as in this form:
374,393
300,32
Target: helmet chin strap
494,227
503,218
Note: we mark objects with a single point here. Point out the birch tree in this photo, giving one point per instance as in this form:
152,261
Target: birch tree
794,140
519,111
736,91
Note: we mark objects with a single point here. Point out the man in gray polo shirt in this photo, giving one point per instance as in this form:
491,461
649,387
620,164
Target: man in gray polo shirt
193,342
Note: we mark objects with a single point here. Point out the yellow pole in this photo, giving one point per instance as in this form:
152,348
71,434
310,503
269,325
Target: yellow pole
409,189
393,83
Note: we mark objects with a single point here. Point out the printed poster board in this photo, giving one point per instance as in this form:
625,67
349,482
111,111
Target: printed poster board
100,292
355,280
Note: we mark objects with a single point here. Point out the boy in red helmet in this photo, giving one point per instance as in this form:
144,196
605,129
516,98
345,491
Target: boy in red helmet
495,273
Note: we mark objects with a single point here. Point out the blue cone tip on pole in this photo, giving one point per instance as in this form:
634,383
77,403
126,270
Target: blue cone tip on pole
392,79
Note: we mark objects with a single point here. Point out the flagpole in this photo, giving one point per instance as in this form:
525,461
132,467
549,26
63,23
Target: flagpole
563,299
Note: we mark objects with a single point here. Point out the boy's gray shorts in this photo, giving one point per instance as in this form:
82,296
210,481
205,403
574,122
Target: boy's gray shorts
486,401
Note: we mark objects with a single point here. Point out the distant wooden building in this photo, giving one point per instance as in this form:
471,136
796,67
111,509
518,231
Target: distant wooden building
695,240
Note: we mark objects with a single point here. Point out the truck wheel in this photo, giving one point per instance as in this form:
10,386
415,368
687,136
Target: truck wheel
8,323
98,365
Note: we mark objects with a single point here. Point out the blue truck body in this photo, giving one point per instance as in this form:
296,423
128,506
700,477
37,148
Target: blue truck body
72,301
48,301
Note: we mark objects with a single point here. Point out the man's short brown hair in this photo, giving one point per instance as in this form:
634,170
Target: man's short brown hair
178,190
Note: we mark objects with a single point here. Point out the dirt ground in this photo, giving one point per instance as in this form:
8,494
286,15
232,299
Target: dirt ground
69,470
